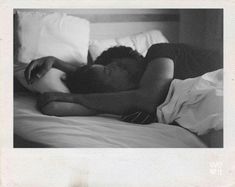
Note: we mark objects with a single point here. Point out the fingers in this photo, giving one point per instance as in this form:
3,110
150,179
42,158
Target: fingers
41,73
36,69
28,71
38,73
139,118
131,116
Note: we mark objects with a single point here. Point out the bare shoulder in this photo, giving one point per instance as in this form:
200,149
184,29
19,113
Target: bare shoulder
159,68
161,63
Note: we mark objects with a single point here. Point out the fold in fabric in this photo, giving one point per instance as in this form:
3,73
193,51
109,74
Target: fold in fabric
195,104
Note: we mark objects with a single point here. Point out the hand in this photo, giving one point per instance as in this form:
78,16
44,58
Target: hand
38,68
139,117
48,97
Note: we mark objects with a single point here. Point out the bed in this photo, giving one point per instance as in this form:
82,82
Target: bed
33,129
95,131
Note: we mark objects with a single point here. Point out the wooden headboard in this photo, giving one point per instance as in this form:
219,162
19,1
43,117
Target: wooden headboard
111,23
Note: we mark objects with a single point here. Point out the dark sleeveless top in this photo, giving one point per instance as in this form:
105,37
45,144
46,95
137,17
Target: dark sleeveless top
189,61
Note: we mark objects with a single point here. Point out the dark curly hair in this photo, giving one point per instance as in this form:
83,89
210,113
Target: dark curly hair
118,52
84,80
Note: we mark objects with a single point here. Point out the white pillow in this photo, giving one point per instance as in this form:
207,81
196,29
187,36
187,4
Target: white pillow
139,42
55,34
51,82
51,34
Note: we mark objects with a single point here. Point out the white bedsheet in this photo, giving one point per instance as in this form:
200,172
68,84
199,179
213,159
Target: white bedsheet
95,131
196,104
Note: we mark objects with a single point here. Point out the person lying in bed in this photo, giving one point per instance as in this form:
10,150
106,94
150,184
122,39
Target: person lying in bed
116,69
121,81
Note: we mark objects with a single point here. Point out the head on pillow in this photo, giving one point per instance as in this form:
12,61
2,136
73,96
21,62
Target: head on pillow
117,69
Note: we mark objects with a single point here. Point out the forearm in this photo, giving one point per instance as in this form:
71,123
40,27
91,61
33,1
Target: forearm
155,82
152,92
143,99
66,109
154,96
39,67
112,103
65,66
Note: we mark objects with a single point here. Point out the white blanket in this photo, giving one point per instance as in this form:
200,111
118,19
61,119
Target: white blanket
195,104
94,131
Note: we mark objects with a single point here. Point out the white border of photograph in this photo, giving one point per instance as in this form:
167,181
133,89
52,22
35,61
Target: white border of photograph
114,167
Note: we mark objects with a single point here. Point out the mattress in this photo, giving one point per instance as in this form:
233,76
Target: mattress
104,131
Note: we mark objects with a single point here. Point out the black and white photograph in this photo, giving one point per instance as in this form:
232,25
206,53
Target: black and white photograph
117,93
118,78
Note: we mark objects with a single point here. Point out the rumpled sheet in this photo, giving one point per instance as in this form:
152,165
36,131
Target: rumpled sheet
195,104
94,131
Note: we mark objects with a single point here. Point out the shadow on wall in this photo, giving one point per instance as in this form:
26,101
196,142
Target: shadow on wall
202,28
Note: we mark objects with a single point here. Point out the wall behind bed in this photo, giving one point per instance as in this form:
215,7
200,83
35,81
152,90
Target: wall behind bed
202,28
110,23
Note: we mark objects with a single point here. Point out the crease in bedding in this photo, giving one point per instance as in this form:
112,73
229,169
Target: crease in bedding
94,131
195,104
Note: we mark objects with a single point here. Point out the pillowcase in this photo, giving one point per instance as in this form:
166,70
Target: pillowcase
56,34
139,42
50,34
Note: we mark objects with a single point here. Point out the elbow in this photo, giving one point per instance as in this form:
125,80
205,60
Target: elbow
148,99
145,101
49,109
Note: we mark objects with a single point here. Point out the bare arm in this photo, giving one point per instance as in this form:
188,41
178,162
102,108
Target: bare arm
65,66
39,67
152,91
55,108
